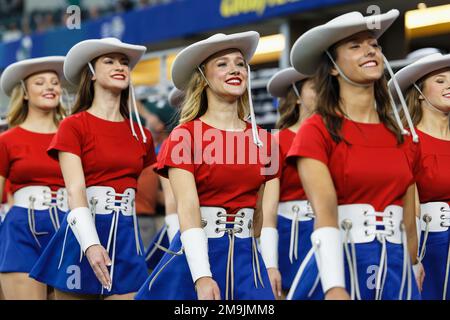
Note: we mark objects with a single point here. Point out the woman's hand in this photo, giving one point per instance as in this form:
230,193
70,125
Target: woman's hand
275,281
337,294
207,289
419,274
99,260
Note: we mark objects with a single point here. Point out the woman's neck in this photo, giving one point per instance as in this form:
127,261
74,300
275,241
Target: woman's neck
106,105
41,121
358,104
435,124
222,114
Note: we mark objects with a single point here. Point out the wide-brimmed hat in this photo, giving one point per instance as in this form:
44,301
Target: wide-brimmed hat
194,55
310,46
85,51
21,70
418,69
282,81
176,97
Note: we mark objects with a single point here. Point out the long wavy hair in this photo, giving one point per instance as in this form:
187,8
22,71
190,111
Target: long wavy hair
86,91
18,108
328,100
195,102
288,108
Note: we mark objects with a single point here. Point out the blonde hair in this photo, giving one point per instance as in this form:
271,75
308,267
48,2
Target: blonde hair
195,102
18,108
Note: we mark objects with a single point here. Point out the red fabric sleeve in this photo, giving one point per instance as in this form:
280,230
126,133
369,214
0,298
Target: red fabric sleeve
68,138
178,152
311,141
4,159
150,157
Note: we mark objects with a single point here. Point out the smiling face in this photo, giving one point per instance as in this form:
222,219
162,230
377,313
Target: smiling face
359,58
112,72
43,90
437,89
227,74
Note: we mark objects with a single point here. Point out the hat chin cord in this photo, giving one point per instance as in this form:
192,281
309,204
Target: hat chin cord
391,100
256,140
429,104
131,103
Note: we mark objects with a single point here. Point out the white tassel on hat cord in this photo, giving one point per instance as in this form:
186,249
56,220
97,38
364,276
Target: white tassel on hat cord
131,101
402,101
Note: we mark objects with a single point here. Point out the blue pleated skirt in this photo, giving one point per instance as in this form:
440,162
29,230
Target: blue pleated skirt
68,274
19,250
287,269
172,280
435,263
368,259
155,254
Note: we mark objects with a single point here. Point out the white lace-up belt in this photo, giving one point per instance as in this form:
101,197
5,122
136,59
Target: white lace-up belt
435,216
295,211
215,224
360,222
105,200
41,198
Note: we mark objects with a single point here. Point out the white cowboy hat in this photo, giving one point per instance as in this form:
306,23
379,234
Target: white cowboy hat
85,51
309,47
19,71
282,81
176,97
194,55
416,70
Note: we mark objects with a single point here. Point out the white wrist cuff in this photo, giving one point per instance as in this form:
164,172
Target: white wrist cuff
83,226
327,244
195,244
173,225
269,247
416,268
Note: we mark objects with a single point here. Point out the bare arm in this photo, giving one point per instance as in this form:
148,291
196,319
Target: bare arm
169,198
271,197
2,185
409,219
72,171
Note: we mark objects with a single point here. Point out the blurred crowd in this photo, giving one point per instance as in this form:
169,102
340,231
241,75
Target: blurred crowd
16,21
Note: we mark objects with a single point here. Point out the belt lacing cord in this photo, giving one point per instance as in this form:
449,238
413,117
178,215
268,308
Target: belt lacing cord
157,244
293,243
300,271
52,203
350,254
407,268
32,221
427,219
447,268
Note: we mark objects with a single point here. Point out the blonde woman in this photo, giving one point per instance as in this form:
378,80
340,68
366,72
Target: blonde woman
216,163
40,201
98,251
426,84
288,218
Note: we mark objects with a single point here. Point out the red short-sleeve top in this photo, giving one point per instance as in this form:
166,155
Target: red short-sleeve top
24,160
110,155
370,167
227,166
290,186
433,179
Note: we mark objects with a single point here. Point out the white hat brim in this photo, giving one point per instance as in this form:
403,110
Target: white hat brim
282,81
418,69
176,97
85,51
194,55
310,46
21,70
